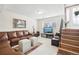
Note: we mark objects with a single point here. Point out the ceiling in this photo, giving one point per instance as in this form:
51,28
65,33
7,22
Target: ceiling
36,11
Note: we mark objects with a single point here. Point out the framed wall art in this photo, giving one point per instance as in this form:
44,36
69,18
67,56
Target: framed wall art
18,23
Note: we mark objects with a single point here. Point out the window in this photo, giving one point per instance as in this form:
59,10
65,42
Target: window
72,15
76,15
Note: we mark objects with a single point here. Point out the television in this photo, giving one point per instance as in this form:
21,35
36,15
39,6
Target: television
48,30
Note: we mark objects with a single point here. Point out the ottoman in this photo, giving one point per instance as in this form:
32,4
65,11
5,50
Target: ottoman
55,42
24,45
34,41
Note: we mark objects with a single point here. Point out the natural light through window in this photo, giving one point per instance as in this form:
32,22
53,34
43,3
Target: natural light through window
76,15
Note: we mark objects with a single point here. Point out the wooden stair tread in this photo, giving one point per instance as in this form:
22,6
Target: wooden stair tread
71,45
69,51
70,32
70,35
70,40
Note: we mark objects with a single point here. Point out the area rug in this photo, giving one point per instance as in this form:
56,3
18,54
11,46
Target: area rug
33,48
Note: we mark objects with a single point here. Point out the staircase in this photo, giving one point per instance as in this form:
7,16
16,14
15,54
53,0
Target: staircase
69,44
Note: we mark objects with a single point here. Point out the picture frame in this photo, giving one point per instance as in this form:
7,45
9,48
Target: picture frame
18,23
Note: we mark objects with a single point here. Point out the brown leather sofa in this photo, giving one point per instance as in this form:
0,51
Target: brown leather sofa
12,36
5,48
22,34
10,39
15,36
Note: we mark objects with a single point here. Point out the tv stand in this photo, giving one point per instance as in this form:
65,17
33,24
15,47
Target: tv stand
48,35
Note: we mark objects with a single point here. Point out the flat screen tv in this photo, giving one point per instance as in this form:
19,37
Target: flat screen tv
48,30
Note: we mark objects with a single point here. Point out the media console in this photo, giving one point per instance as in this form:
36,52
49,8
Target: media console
47,35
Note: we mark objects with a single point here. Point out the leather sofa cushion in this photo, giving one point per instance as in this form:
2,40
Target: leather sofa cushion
24,37
3,36
12,35
14,41
20,33
25,33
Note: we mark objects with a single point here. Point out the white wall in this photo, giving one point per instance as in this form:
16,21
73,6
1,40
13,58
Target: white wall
56,19
6,21
71,24
68,5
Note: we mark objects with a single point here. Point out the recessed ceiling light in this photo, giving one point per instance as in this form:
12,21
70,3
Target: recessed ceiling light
39,11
